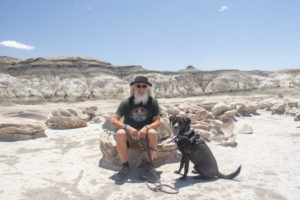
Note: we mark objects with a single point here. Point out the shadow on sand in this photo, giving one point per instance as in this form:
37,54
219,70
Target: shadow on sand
191,181
195,180
135,176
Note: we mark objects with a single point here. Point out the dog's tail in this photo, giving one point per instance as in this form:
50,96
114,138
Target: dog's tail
232,175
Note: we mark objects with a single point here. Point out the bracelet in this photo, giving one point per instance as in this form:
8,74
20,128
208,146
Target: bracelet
124,127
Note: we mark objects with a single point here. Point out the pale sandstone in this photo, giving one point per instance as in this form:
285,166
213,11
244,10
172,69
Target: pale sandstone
22,130
69,118
71,170
278,108
219,109
246,129
75,78
297,117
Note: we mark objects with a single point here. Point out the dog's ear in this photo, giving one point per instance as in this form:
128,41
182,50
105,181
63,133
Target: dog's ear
188,120
171,119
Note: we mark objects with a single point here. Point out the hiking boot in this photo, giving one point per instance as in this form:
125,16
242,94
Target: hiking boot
121,175
148,171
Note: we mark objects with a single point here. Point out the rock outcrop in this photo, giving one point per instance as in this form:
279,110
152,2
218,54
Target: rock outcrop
71,118
297,117
137,156
21,130
75,78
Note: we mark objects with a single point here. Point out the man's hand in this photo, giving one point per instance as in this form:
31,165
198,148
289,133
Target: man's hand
133,133
143,132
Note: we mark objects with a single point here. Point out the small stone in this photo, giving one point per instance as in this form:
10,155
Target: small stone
246,129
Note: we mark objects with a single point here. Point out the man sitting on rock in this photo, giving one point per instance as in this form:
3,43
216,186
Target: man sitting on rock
141,117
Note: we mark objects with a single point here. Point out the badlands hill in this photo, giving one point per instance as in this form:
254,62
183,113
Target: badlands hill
74,78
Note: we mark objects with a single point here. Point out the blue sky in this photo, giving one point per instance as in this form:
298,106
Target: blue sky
156,34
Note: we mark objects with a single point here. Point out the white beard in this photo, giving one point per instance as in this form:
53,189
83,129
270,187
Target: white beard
140,98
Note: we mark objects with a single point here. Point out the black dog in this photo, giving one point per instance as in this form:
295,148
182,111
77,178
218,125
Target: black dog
193,148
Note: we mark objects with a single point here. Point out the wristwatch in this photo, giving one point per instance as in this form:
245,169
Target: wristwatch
124,127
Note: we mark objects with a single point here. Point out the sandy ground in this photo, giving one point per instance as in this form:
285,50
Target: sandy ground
65,164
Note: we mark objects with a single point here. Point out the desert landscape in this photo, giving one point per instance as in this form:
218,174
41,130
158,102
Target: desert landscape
56,142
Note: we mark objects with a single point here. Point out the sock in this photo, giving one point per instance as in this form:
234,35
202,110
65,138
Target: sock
125,164
148,163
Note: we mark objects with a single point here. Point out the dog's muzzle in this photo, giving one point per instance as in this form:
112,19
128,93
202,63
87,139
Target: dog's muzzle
176,129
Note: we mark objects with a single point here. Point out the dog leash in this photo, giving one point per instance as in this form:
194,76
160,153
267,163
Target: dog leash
147,146
142,144
158,187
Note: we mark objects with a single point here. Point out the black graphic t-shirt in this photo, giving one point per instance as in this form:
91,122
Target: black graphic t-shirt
138,115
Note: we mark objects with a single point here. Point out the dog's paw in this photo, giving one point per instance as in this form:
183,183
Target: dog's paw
177,172
182,178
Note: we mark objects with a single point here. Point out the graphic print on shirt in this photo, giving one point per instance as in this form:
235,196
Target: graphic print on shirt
139,114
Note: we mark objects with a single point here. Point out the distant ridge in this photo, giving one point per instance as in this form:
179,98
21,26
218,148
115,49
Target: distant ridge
77,78
189,68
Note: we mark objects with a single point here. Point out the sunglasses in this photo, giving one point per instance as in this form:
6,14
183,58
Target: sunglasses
141,86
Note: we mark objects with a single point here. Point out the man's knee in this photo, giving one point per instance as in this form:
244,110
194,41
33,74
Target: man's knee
152,132
152,135
121,134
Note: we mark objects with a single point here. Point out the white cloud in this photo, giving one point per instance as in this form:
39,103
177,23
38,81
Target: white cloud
89,7
14,44
223,8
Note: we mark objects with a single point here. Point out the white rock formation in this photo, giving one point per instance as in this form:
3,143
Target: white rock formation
21,130
69,118
246,129
219,109
82,78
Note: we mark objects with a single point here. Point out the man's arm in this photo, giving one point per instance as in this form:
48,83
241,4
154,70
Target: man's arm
115,122
155,124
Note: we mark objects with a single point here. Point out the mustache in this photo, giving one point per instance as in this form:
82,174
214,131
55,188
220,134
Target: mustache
141,98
